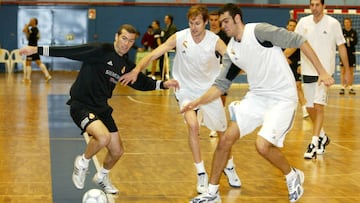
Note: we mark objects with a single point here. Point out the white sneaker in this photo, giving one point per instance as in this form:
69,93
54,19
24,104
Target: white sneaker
202,183
105,184
304,112
310,152
213,133
207,198
233,178
295,186
79,174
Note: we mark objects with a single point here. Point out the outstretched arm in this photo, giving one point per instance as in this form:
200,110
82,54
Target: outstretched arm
131,77
213,93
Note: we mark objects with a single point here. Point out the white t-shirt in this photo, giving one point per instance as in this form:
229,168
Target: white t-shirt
195,65
324,37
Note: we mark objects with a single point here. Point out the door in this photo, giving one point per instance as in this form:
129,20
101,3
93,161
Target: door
58,27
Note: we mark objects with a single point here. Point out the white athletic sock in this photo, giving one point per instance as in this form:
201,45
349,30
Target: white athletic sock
103,172
212,189
290,175
322,132
200,168
315,140
84,161
230,163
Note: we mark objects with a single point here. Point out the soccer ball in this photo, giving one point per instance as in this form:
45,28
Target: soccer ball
94,196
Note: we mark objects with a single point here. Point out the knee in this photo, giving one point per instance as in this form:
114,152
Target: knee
194,127
104,139
117,153
225,142
262,147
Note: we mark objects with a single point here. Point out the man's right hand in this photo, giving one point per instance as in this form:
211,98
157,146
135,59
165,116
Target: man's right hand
129,77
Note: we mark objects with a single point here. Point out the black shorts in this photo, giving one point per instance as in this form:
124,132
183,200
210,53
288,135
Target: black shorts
83,115
352,61
33,57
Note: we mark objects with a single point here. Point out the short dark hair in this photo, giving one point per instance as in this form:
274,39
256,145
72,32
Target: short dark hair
232,9
127,27
292,20
157,22
214,13
36,21
322,2
170,17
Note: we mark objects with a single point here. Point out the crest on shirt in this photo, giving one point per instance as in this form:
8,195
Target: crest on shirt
123,70
110,63
185,44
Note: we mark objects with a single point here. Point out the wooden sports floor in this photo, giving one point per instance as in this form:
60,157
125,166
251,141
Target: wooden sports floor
157,165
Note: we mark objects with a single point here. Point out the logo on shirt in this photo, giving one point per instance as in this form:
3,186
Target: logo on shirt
110,63
123,70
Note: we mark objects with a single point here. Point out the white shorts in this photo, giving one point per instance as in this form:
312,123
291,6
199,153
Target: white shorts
315,93
275,116
213,113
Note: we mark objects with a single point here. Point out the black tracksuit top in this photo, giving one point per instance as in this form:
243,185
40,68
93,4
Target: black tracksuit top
100,71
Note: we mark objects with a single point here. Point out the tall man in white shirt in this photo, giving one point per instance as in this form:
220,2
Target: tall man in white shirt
324,33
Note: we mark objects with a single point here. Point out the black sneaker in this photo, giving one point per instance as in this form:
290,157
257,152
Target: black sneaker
323,142
352,91
310,152
342,91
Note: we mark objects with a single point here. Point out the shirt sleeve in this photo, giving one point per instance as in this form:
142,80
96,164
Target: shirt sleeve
278,36
340,39
84,52
227,74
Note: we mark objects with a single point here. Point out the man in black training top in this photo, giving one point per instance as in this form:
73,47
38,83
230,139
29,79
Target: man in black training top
103,64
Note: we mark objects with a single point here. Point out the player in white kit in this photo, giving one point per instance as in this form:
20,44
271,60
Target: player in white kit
270,102
195,67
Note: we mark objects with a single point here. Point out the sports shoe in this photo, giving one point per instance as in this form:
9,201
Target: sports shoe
48,78
105,184
295,186
207,198
310,152
202,184
342,91
304,112
233,178
79,174
323,142
213,133
352,91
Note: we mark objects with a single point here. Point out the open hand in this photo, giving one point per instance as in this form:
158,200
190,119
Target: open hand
129,77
